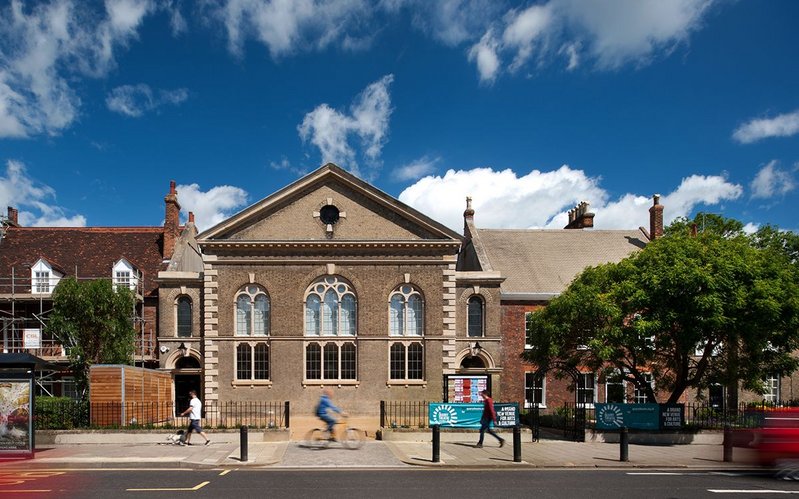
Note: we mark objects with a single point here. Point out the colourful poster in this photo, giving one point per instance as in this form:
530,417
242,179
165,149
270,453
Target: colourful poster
16,430
466,389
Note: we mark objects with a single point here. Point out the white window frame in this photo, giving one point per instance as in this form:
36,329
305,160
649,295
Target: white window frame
772,385
252,380
118,277
528,404
639,396
528,316
43,278
252,292
592,377
622,382
405,380
406,292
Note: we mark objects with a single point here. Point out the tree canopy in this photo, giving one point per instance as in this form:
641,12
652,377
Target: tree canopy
716,306
94,321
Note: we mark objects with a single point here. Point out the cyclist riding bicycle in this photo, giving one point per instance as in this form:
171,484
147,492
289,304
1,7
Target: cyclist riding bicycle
322,410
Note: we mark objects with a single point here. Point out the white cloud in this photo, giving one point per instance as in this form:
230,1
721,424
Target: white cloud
285,27
610,33
212,206
415,169
751,228
772,181
46,47
484,54
135,100
783,125
34,201
452,22
502,199
330,130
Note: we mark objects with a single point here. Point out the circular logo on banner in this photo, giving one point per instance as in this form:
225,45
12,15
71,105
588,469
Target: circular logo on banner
611,415
444,415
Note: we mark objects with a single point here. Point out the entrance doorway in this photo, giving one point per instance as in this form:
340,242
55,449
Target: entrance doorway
183,384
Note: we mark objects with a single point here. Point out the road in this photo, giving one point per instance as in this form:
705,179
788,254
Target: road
400,483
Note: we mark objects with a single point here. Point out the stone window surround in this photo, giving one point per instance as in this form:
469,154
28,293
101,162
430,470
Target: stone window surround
413,292
244,291
322,341
252,381
330,282
405,381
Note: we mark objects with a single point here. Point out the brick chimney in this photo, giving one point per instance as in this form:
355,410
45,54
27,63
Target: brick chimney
468,218
580,217
171,221
656,218
13,217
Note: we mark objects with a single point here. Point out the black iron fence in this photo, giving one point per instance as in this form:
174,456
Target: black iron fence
746,415
403,414
64,414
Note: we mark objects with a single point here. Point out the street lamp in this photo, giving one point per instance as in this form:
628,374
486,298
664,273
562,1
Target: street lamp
183,349
476,349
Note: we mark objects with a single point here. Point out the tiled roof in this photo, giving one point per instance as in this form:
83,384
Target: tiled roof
546,261
87,251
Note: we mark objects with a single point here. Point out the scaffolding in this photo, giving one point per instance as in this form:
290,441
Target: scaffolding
25,306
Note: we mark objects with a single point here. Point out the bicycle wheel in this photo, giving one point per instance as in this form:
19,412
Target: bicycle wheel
353,438
317,439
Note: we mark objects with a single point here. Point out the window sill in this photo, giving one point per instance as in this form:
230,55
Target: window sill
330,382
251,383
406,382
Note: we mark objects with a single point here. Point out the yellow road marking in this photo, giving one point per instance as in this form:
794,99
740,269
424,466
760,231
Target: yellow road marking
224,473
196,487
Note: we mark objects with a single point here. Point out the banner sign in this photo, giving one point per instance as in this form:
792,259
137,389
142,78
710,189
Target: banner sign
468,415
16,423
32,338
639,416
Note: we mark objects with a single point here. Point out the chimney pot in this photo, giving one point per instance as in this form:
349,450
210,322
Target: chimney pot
13,216
191,217
656,218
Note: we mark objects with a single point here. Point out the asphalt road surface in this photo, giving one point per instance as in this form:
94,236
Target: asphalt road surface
401,483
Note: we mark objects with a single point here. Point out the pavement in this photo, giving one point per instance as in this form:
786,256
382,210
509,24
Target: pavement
459,452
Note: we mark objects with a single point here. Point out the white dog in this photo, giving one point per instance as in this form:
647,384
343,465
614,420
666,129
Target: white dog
178,438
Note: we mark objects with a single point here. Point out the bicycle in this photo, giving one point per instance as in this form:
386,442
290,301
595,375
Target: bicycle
350,437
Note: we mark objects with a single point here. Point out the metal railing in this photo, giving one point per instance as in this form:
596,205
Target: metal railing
62,413
403,414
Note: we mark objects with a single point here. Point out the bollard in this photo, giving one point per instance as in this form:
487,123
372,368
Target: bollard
436,443
727,444
243,443
624,442
517,444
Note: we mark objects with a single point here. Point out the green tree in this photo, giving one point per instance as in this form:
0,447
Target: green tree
718,293
95,322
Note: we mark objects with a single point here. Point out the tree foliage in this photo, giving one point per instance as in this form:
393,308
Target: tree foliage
94,321
715,307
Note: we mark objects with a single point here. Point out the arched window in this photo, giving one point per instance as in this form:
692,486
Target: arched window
475,316
252,311
184,325
330,308
406,312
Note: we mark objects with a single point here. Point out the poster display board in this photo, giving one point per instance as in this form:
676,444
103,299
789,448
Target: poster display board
466,388
32,338
16,424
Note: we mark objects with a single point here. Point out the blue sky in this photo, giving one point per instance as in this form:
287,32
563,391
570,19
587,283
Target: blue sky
529,107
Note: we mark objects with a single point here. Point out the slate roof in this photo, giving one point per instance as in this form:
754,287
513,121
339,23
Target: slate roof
546,261
91,250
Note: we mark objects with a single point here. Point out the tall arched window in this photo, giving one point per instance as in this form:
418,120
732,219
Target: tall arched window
184,325
252,311
475,316
406,312
330,308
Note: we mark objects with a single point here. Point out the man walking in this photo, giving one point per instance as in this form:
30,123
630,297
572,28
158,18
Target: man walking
489,416
194,411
